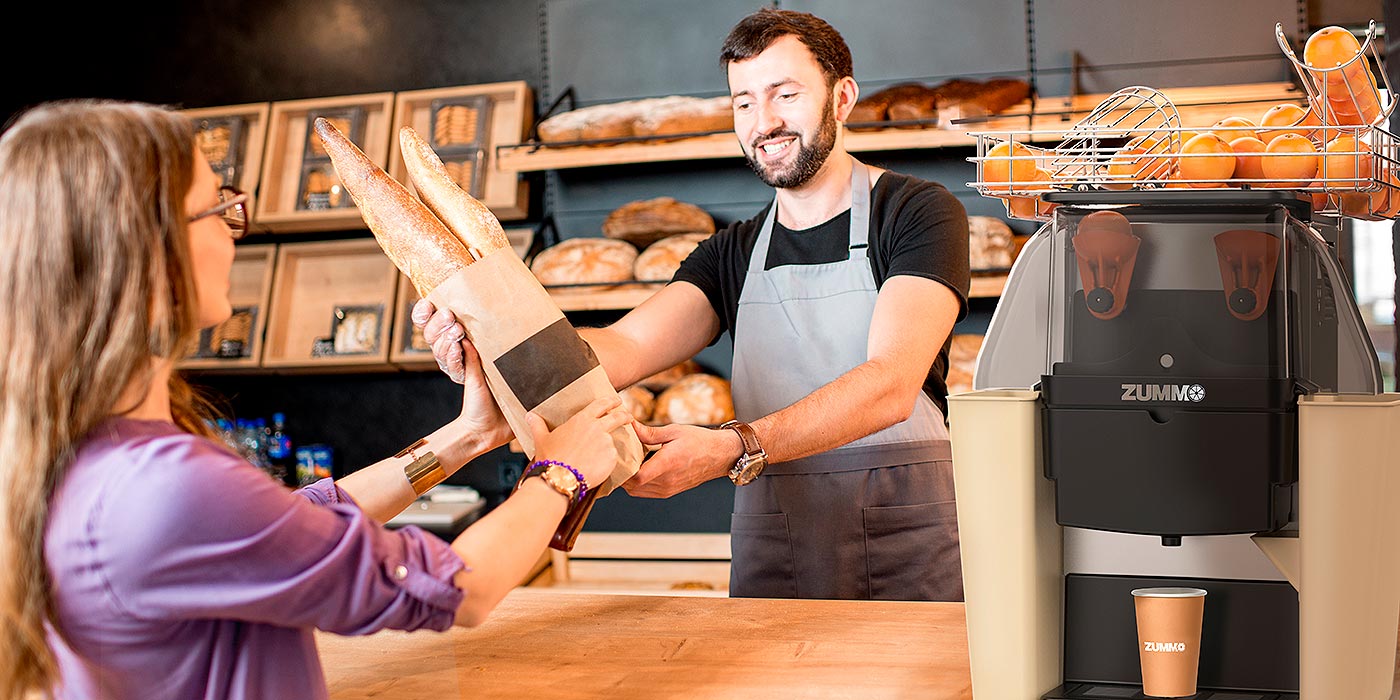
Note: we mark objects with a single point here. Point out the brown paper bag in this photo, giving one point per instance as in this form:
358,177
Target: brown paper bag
534,360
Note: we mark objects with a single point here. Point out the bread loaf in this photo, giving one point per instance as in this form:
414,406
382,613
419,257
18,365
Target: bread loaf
585,261
638,401
686,115
991,243
660,381
660,260
648,117
644,222
469,220
951,99
415,240
697,399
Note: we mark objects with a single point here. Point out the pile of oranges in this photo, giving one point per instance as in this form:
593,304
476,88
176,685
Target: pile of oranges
1285,148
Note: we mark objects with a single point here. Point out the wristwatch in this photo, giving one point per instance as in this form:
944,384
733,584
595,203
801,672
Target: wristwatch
754,459
559,478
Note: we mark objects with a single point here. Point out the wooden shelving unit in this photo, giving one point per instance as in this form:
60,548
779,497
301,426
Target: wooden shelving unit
618,298
1197,106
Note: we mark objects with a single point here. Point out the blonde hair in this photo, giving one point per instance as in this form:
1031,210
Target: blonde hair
95,283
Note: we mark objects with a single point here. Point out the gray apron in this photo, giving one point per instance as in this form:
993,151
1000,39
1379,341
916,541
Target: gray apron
872,519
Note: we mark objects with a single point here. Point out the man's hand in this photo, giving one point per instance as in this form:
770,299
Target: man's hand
688,456
445,335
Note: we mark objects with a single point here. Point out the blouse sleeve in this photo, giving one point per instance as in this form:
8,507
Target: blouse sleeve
203,534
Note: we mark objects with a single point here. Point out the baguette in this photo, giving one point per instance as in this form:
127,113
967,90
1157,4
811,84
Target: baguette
469,220
417,243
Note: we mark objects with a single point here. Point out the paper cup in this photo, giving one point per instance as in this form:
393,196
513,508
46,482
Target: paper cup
1169,639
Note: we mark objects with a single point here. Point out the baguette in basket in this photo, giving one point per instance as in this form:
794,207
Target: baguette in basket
458,257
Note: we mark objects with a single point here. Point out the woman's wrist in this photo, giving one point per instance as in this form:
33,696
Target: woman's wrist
459,445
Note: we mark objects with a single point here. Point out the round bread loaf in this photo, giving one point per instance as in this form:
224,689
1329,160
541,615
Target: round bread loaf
638,401
990,243
646,221
697,399
660,260
585,261
659,382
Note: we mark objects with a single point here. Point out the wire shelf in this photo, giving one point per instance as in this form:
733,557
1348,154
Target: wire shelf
1338,153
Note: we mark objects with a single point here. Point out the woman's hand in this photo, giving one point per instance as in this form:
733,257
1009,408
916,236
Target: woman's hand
583,442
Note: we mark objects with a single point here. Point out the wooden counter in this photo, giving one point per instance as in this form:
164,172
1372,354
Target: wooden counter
542,645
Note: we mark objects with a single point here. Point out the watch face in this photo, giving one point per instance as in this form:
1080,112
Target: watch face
561,478
747,469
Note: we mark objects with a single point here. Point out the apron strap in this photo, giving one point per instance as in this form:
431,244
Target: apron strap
860,220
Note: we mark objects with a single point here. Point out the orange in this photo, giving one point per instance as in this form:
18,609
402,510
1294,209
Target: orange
1330,47
1247,166
1347,158
1008,162
1206,157
1235,127
1143,158
1287,114
1290,161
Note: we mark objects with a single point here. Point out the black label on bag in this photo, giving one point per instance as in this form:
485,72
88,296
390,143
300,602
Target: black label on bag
546,362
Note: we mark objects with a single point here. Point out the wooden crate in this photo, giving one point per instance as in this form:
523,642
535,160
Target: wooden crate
313,281
512,107
250,121
250,285
290,152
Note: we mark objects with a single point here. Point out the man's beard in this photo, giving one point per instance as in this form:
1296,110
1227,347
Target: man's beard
810,157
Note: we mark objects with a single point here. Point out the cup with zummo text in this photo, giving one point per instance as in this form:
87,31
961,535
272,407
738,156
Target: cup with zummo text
1169,639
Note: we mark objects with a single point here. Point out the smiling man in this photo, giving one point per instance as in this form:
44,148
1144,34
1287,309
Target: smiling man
840,298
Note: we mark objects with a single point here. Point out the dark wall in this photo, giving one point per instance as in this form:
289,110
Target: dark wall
202,53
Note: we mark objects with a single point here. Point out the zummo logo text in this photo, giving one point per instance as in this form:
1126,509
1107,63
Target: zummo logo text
1194,393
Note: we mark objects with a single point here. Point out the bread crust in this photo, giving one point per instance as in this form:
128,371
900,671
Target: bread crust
466,218
415,240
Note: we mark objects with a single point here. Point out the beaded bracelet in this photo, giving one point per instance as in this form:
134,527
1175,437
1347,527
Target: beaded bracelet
582,483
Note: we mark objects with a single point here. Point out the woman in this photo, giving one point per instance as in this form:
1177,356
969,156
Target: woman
138,557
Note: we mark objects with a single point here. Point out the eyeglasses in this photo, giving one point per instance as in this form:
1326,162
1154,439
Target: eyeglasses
233,206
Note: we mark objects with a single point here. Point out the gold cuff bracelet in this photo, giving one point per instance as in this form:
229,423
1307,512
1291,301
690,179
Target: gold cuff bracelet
423,472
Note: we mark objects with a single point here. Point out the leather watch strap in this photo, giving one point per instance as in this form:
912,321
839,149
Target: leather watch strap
746,435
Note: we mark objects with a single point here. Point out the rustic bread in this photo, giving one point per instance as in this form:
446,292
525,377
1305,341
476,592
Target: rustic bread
697,399
660,260
951,99
638,401
876,107
991,243
660,381
585,261
644,222
469,220
684,115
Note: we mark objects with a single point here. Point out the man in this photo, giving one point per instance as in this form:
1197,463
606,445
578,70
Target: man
840,298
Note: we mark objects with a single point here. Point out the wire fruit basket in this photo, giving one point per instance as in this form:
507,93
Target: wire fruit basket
1334,150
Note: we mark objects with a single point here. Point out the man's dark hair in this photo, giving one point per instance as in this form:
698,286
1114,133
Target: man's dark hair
755,33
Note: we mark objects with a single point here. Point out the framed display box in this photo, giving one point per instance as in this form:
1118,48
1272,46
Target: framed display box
299,188
332,306
464,125
232,140
237,342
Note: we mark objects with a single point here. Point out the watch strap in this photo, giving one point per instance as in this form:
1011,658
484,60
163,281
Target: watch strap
746,435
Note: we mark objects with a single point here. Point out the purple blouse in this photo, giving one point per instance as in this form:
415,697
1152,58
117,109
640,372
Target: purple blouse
181,571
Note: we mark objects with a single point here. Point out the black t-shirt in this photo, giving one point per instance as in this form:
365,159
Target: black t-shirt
917,228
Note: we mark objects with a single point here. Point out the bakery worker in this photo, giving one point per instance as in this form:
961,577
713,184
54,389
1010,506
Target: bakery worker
840,298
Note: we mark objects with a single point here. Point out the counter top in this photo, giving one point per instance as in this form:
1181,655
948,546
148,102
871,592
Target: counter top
543,645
